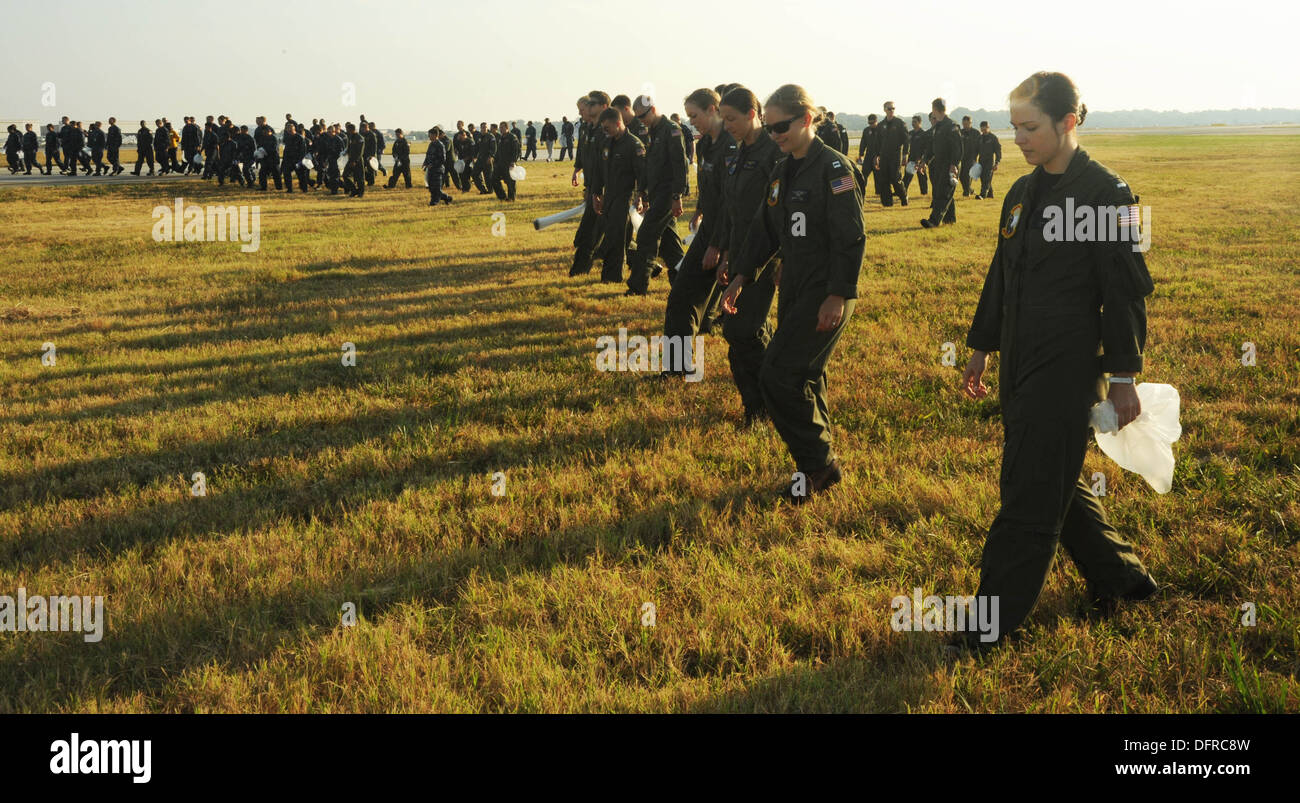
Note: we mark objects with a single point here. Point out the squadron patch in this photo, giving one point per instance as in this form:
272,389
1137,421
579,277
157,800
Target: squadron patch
606,151
774,192
1013,220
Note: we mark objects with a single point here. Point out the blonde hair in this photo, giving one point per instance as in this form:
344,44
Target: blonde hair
794,99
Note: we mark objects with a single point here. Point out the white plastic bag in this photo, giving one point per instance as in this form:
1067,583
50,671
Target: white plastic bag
1144,446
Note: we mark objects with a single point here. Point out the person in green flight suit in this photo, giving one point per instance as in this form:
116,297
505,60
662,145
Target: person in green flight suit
620,178
1069,319
695,290
812,216
748,177
990,158
665,184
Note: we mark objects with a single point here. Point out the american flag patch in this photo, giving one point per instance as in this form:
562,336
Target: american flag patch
1130,216
842,184
677,132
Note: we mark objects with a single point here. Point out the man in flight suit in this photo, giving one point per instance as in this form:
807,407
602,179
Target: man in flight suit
665,184
507,154
31,145
970,149
588,158
868,148
945,160
264,136
892,155
918,145
487,146
401,160
621,175
990,158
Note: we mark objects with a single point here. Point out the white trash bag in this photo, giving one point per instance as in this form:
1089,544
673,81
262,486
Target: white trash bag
259,154
911,168
518,173
308,164
374,163
975,171
1145,445
459,166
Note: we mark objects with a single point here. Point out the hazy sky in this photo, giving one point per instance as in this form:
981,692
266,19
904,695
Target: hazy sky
414,63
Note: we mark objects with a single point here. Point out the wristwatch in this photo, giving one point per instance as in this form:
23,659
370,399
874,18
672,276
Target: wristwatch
1120,380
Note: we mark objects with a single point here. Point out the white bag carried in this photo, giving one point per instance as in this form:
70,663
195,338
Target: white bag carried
1145,445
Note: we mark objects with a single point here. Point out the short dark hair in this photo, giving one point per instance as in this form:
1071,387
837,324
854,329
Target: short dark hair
609,114
621,102
938,105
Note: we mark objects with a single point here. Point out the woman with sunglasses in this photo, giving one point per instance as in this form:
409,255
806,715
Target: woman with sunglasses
1064,314
745,185
694,292
812,216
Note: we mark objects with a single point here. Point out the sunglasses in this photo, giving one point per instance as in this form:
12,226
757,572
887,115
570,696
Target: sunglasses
781,127
642,115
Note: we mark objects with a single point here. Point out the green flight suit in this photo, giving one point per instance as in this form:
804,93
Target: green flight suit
695,292
588,238
665,182
621,175
1062,314
812,216
747,331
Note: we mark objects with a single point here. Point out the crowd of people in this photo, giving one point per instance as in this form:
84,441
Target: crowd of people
779,213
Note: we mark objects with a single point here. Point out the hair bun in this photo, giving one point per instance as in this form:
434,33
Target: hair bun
1083,112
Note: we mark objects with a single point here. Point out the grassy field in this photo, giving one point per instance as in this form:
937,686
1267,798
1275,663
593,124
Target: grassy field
373,484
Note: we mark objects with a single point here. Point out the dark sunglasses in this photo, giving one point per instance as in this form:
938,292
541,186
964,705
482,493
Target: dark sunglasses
781,127
642,115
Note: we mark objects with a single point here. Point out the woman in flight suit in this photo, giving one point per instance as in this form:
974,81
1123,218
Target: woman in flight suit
1069,318
746,177
694,293
812,216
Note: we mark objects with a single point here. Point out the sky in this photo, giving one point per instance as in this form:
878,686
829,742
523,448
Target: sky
416,63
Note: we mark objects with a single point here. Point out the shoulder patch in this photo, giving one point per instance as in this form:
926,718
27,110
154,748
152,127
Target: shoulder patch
835,163
843,183
1013,220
